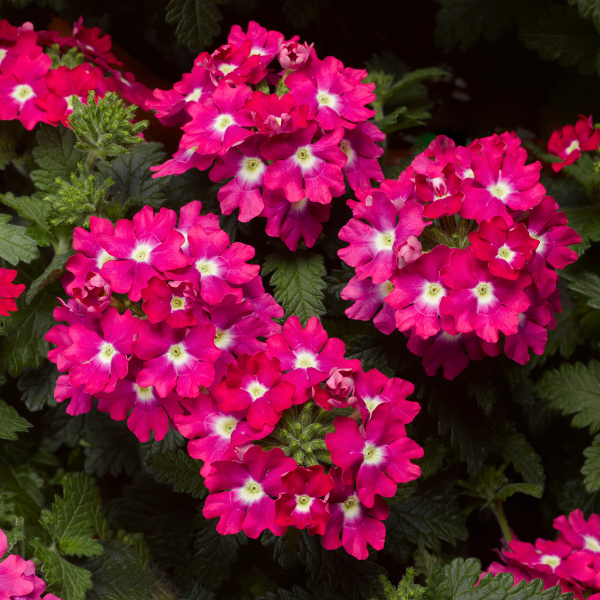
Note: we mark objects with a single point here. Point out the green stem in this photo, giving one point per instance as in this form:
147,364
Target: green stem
496,506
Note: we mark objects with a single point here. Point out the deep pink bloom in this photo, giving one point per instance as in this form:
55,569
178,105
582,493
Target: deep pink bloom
217,127
402,191
338,390
362,152
215,434
442,151
173,303
81,402
304,167
264,43
502,180
248,505
579,533
216,265
176,357
368,299
440,189
189,215
293,56
265,307
307,354
358,524
92,43
570,142
131,90
378,458
375,248
478,301
247,167
506,250
25,42
374,388
255,383
100,361
39,585
233,64
183,160
302,505
9,291
293,221
20,85
418,291
273,115
95,294
148,245
333,98
12,569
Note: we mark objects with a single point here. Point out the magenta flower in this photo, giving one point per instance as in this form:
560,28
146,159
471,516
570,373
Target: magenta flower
216,128
95,294
362,152
247,167
307,354
150,412
189,215
215,434
440,152
265,307
338,391
25,42
478,301
273,115
374,247
183,160
368,299
402,191
20,85
378,460
301,505
233,64
570,142
9,291
12,571
374,388
81,402
306,168
333,98
176,358
358,524
100,361
174,303
293,221
418,292
216,265
248,503
293,56
502,180
440,189
145,247
255,383
265,44
92,43
505,250
579,533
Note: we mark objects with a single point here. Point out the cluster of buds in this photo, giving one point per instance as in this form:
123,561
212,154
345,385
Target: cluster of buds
35,87
572,561
285,135
168,324
483,264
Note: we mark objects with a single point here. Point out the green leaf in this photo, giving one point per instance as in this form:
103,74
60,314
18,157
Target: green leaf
15,244
585,220
402,118
465,21
584,171
298,280
52,272
34,210
11,422
37,386
56,156
575,390
531,489
116,574
587,284
591,467
588,9
301,12
133,182
521,454
179,469
197,21
557,32
66,580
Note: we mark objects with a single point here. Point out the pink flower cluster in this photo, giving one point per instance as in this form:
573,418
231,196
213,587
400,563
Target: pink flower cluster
18,580
285,153
572,561
484,264
169,323
9,291
32,91
569,143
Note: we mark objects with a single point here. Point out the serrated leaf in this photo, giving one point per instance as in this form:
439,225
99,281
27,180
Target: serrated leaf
520,453
11,422
587,284
56,156
585,220
52,272
15,244
179,469
574,390
557,32
34,210
80,545
531,489
197,21
37,386
588,9
131,173
66,580
591,467
298,282
585,173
